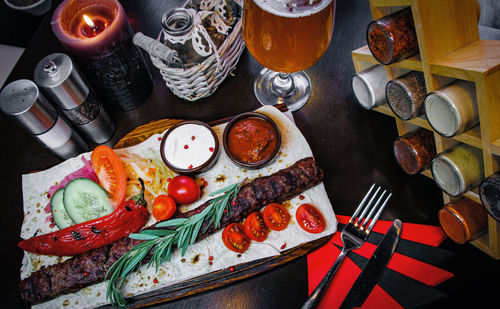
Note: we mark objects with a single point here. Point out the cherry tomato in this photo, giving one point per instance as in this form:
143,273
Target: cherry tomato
111,174
235,239
184,190
276,217
310,219
164,207
255,227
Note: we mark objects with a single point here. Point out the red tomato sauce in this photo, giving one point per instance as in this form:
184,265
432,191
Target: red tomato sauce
252,140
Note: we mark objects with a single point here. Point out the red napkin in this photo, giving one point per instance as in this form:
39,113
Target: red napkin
322,259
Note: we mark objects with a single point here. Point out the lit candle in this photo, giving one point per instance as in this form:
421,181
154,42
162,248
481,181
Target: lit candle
98,34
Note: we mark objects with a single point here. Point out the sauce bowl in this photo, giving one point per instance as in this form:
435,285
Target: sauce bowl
190,147
263,142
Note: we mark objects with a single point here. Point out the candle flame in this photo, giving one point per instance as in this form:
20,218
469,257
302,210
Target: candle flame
89,21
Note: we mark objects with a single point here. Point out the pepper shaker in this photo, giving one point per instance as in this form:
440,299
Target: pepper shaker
22,101
58,76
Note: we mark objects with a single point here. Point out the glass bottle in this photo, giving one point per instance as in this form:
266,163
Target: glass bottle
489,192
369,86
406,94
463,220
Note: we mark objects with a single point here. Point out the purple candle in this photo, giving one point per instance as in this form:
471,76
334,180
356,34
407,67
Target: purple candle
98,34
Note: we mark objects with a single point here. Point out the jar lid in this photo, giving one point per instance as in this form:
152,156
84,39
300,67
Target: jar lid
22,102
57,75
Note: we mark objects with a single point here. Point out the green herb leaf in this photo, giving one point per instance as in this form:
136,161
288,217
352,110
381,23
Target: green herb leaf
183,232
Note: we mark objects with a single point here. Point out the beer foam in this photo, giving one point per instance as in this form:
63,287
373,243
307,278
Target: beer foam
292,8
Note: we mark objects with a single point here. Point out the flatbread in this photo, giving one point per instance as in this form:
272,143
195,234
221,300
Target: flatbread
195,262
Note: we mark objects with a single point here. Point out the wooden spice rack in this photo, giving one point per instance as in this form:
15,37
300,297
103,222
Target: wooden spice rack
450,48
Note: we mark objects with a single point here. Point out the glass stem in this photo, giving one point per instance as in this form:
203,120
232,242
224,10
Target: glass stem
283,85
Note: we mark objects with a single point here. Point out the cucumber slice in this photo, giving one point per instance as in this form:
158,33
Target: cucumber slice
59,214
85,200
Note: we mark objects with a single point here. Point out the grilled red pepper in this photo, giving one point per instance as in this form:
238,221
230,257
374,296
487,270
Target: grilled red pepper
128,218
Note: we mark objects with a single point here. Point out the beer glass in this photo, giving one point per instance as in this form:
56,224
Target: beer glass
286,37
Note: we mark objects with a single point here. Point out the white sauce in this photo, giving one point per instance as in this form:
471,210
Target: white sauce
189,146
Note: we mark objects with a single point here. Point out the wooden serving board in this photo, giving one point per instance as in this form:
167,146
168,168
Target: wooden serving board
218,278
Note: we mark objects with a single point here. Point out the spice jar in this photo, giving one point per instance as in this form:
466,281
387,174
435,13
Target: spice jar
452,110
414,150
393,37
458,170
406,95
463,220
369,86
489,192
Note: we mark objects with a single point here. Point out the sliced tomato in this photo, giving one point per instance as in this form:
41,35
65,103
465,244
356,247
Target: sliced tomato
184,190
163,207
276,217
235,239
111,174
255,227
310,219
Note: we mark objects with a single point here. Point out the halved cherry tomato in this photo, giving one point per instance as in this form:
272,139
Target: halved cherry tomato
235,239
310,219
163,207
111,174
184,190
276,217
255,227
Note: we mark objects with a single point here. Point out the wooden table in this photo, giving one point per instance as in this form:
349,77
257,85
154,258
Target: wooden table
353,146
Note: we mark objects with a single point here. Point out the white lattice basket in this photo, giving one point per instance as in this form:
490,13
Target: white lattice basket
203,79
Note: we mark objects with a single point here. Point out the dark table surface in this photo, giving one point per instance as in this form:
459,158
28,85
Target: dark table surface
353,146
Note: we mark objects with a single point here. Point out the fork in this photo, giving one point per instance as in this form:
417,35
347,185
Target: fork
353,236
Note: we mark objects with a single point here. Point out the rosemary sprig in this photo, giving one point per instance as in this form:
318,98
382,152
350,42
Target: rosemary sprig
182,232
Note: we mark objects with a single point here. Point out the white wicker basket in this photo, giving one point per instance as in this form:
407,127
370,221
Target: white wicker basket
203,79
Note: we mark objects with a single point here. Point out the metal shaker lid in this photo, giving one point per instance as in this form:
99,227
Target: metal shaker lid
57,75
22,101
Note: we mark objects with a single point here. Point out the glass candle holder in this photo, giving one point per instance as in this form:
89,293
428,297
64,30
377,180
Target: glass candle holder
393,37
463,220
98,35
415,150
458,170
452,110
406,94
489,192
369,86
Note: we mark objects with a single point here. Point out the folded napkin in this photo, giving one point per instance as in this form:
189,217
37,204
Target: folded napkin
407,280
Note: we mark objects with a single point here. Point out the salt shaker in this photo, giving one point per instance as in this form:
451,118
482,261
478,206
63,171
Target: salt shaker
57,75
406,94
22,101
393,37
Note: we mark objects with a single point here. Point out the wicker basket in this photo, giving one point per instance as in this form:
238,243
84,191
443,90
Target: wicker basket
203,79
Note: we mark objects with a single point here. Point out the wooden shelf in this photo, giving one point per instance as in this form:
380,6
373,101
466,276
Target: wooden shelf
363,54
450,49
471,62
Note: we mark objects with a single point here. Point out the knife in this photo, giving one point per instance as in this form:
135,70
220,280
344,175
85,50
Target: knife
366,281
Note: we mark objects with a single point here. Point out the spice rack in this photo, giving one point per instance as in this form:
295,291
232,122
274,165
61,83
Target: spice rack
450,49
